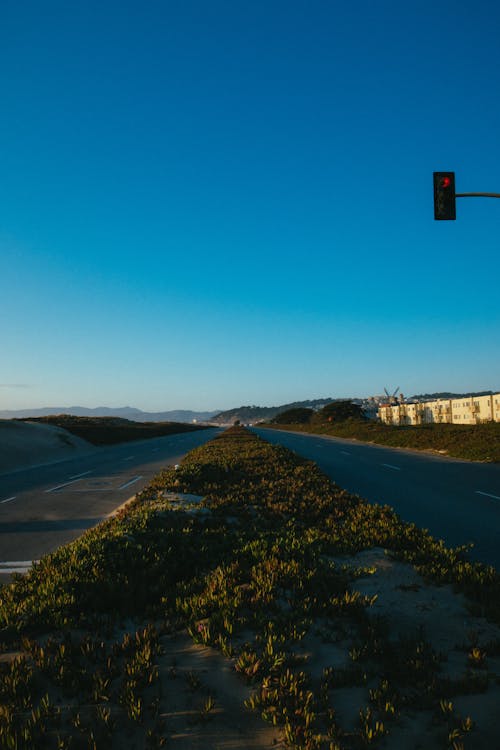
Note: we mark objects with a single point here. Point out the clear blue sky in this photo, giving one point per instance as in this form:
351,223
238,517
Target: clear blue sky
209,204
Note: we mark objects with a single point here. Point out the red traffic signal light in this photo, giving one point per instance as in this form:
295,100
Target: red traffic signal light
444,196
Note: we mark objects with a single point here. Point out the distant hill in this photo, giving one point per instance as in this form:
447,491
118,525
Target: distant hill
125,412
108,430
246,414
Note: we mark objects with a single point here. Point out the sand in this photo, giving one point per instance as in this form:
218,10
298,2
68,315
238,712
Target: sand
28,444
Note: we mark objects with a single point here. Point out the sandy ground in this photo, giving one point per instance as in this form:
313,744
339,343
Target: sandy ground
192,672
189,674
443,618
25,444
201,704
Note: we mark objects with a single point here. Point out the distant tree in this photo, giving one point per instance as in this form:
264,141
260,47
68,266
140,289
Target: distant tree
294,416
339,411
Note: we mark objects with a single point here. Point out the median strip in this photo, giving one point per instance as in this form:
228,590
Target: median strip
301,602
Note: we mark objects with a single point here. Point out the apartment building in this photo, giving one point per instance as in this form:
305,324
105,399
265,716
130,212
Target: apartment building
466,410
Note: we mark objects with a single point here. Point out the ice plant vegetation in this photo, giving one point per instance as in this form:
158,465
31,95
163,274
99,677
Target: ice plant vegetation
254,574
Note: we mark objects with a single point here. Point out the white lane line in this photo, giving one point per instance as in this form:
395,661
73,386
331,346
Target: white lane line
9,499
60,486
390,466
129,458
488,494
127,484
345,453
16,566
155,450
83,474
319,446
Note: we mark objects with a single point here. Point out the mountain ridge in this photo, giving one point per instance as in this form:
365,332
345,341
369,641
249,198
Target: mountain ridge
126,412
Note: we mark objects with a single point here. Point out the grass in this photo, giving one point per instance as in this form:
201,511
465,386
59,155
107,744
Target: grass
480,442
110,430
252,578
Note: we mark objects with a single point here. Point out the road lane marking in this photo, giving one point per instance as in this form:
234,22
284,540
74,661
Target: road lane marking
345,453
129,458
60,486
127,484
9,499
488,494
16,566
83,474
390,466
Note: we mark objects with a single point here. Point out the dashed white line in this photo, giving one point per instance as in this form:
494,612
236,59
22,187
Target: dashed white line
488,494
9,499
16,566
129,458
83,474
60,486
390,466
345,453
127,484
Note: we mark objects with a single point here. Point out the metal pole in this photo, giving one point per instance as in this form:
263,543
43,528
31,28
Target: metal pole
477,195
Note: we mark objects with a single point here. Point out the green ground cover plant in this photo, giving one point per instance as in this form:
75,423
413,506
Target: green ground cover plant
254,571
479,442
110,430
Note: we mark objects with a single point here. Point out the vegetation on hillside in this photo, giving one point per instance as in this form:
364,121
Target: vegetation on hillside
480,442
252,571
294,416
334,412
110,430
246,414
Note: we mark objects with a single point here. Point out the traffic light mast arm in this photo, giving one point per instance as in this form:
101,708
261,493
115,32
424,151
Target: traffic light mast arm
477,195
445,195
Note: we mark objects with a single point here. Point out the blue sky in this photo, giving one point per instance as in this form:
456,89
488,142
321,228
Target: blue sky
209,204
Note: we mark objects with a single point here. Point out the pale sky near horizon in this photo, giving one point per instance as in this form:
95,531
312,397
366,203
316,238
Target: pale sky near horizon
205,205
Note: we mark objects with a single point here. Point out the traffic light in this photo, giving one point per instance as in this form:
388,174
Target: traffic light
444,195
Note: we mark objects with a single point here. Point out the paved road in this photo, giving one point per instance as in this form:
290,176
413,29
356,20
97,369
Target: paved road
44,507
458,501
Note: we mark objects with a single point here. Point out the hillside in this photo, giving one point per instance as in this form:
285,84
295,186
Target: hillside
125,412
246,414
24,444
110,430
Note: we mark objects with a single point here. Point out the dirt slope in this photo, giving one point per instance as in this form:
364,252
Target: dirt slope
24,444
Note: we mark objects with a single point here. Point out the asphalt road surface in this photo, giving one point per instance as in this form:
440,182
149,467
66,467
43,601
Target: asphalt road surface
458,501
44,507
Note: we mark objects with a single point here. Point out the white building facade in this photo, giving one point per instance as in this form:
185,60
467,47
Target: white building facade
466,410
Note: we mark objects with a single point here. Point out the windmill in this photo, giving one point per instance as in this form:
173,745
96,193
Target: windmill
392,397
